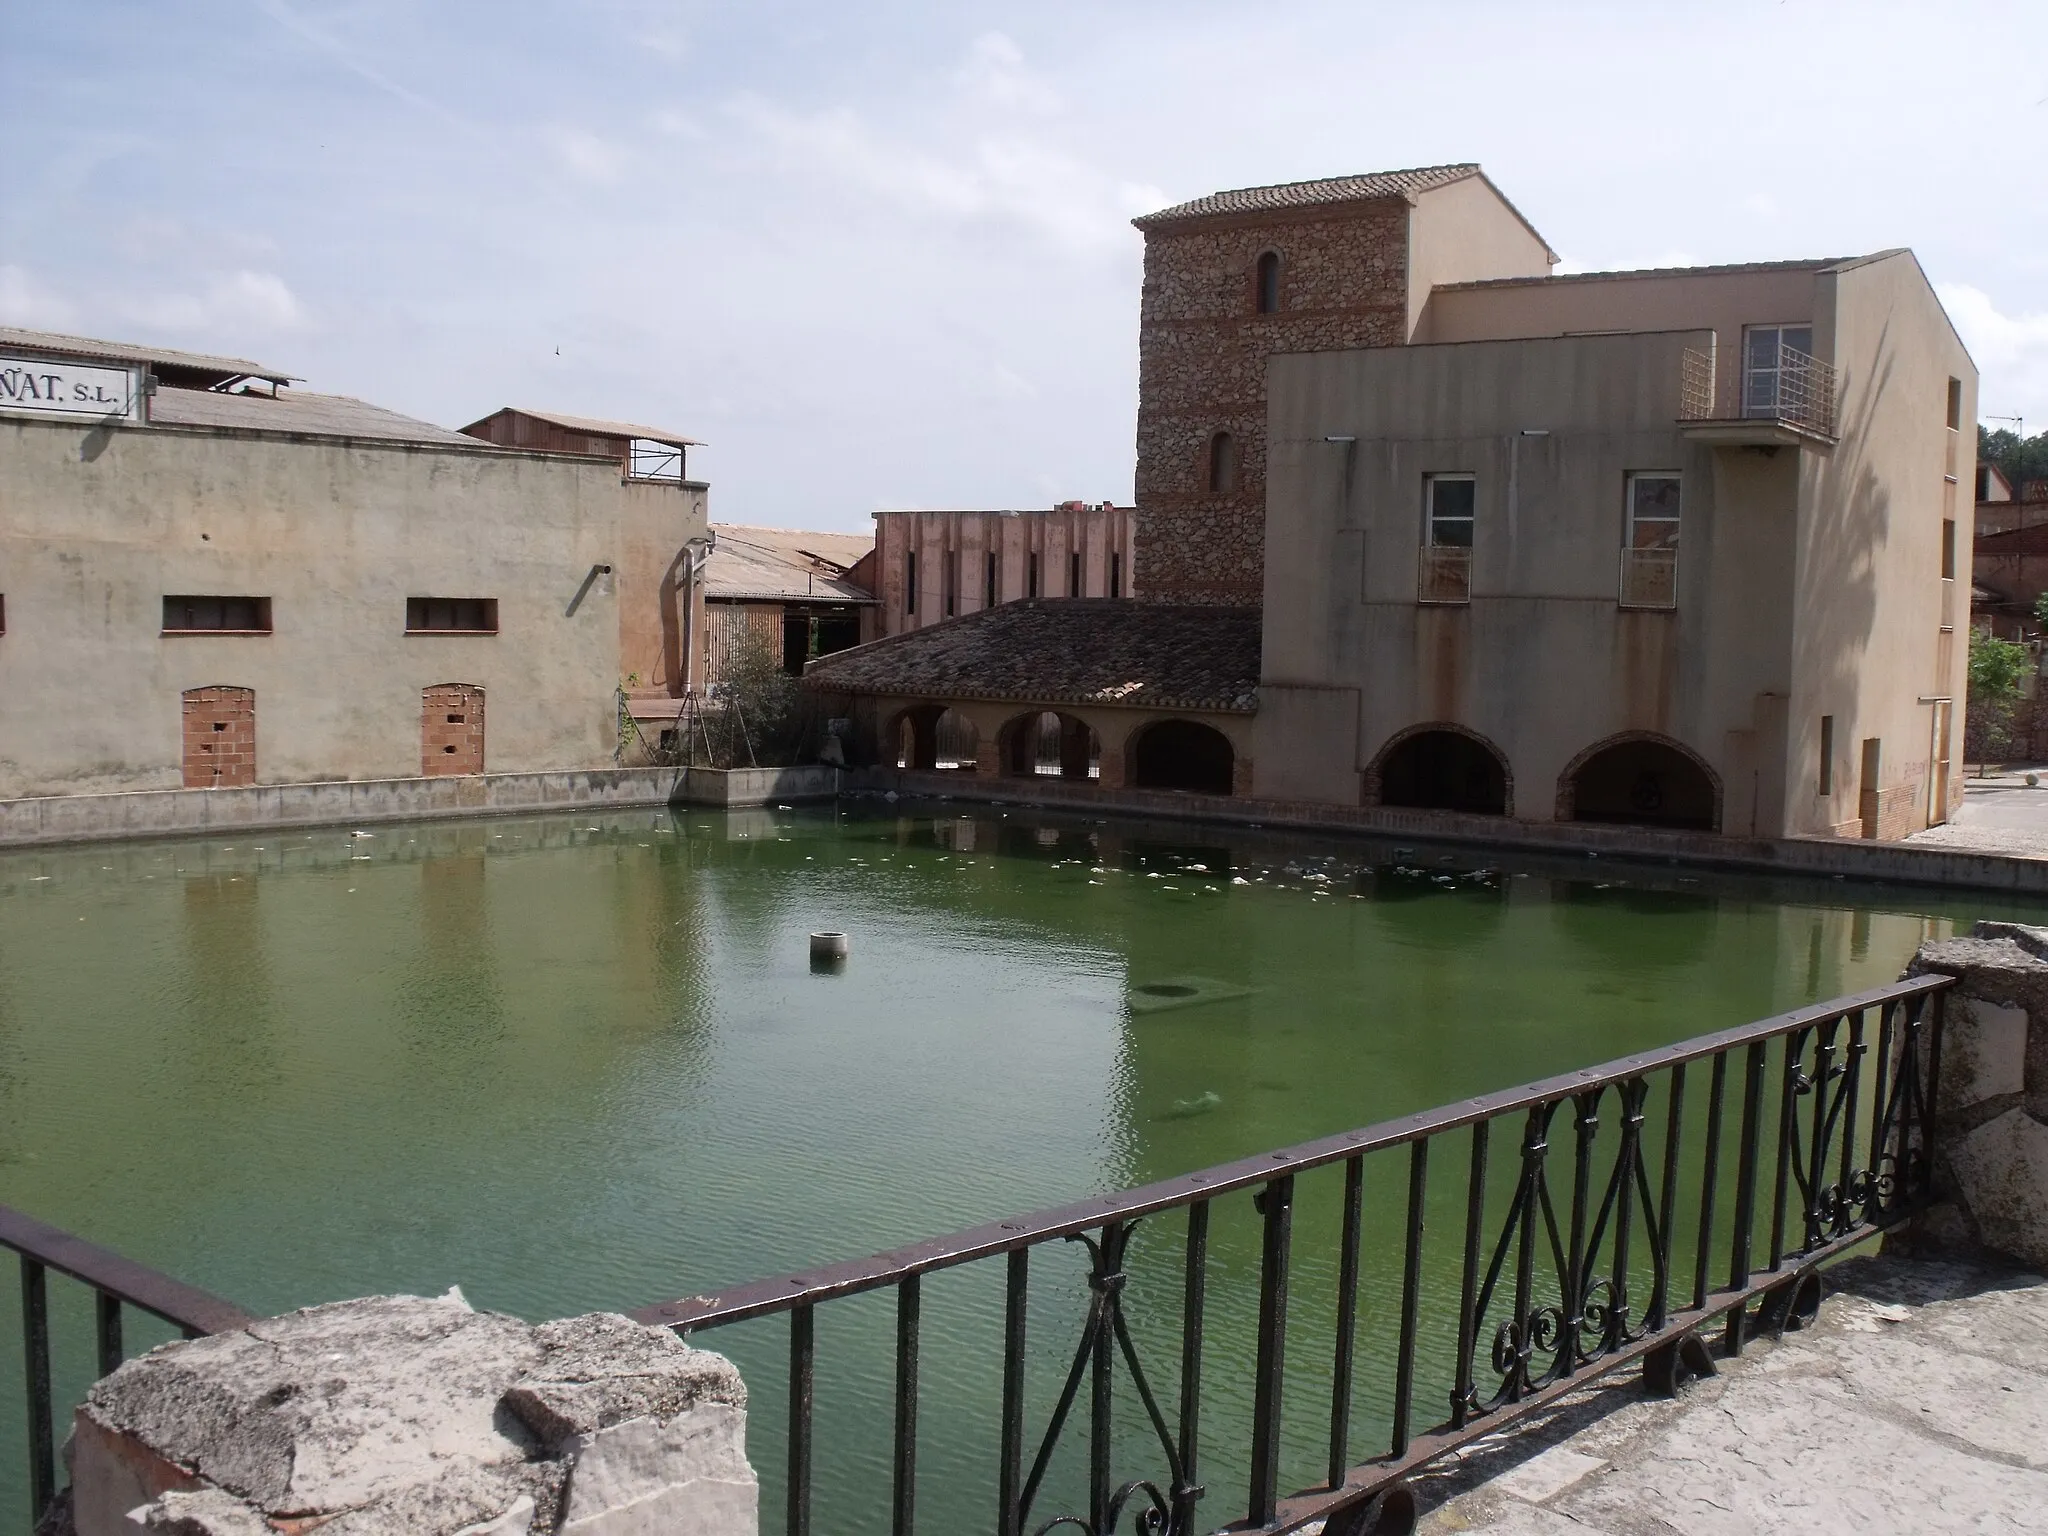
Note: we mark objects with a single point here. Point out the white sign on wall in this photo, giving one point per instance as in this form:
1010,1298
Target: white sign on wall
31,386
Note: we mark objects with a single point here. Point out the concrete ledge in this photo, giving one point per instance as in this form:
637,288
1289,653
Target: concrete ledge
181,812
1853,859
755,786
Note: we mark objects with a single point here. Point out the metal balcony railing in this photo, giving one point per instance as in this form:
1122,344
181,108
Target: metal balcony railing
1796,389
1649,578
1445,574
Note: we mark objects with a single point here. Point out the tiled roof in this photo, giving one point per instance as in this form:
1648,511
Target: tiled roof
783,564
1726,269
294,410
1065,650
1307,194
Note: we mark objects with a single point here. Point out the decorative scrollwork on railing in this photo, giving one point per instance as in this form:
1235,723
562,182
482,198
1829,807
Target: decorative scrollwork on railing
1153,1511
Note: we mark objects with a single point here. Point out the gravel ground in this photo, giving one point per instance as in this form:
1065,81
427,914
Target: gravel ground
2000,813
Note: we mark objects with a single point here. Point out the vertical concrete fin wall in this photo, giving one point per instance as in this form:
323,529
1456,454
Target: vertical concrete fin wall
1991,1149
405,1414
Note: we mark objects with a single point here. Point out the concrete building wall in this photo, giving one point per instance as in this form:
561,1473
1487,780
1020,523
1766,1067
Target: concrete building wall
1543,663
952,552
656,518
1881,635
1464,232
101,523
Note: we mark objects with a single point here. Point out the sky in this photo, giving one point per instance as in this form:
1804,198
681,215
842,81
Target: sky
879,255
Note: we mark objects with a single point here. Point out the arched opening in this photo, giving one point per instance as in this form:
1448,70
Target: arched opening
1444,770
956,743
1222,463
1051,746
911,740
1267,285
1642,781
1183,754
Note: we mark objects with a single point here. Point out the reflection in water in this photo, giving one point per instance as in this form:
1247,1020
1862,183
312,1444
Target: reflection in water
574,1062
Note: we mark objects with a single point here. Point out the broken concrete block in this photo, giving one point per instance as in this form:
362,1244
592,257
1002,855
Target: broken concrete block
404,1416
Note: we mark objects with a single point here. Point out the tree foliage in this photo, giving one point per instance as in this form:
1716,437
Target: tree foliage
1996,670
2019,459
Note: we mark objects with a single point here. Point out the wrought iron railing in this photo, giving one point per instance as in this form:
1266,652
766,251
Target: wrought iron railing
1444,574
1796,388
115,1282
1649,578
1660,1228
653,461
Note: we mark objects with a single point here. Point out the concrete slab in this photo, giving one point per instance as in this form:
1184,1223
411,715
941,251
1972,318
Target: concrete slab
1916,1403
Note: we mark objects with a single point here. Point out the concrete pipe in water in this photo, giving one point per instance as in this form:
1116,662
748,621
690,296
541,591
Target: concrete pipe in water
829,951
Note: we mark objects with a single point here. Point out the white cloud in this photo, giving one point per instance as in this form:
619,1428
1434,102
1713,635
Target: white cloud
229,302
586,156
994,71
25,300
2011,351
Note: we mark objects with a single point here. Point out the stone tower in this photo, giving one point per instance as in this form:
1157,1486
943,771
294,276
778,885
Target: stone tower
1234,277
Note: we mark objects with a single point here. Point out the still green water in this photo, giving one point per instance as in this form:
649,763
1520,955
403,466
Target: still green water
581,1062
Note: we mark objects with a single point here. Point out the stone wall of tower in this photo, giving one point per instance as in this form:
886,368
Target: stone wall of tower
1202,351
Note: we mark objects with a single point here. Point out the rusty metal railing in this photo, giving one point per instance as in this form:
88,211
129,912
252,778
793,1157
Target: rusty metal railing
1444,574
115,1282
1830,1112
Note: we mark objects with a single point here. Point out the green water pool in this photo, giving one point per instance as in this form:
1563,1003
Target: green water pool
575,1062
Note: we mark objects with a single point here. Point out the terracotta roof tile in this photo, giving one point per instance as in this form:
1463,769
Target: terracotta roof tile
1307,194
1067,650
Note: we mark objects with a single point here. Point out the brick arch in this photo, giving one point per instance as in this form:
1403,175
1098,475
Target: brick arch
1179,753
1370,787
1080,743
451,730
219,727
1567,782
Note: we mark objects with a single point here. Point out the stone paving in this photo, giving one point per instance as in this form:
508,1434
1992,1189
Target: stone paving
2000,813
1917,1403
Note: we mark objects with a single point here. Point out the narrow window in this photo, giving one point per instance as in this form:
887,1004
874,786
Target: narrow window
1955,405
1827,754
1031,578
1452,502
1074,574
1269,283
1222,463
1649,551
451,615
1116,574
910,581
1773,367
185,615
991,579
950,574
1948,549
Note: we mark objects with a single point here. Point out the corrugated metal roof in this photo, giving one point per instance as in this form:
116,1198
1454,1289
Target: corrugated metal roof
1065,650
296,411
1308,194
784,564
135,352
597,428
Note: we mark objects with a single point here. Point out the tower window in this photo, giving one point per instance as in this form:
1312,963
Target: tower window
1268,283
1222,463
1074,574
991,576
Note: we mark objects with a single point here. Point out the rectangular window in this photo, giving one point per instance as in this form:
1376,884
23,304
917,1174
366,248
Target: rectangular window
991,578
1948,549
910,581
1955,405
1649,551
1827,754
1031,578
1449,516
451,615
1074,574
186,615
1116,574
1772,371
950,573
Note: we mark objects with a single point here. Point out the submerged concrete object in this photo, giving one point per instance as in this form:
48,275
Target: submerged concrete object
400,1414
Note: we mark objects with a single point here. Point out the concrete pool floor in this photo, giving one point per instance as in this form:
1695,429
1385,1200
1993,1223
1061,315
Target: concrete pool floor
1916,1403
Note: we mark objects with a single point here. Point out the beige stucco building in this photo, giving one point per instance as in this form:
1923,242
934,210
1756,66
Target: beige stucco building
934,565
211,579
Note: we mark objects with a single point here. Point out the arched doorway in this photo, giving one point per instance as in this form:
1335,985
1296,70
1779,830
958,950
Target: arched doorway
1645,781
1438,768
912,738
1183,754
1051,745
